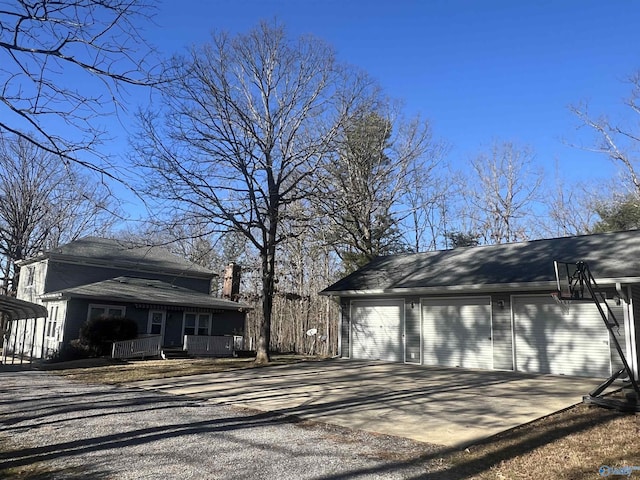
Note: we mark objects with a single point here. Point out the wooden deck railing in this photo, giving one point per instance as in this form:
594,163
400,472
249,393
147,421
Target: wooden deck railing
138,347
218,346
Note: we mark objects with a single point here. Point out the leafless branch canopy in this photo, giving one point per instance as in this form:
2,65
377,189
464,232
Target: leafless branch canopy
621,143
43,203
62,64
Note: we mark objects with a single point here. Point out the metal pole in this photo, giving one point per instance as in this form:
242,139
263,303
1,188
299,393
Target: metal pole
587,273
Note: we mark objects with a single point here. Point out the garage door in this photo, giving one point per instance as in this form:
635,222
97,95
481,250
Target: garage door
456,332
376,330
548,340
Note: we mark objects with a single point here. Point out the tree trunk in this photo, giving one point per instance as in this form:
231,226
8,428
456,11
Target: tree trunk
268,287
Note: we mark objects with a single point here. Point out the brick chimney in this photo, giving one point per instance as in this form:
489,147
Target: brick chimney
231,282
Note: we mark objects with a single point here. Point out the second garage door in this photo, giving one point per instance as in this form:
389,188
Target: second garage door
456,332
548,340
376,330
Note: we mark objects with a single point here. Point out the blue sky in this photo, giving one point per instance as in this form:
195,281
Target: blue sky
478,70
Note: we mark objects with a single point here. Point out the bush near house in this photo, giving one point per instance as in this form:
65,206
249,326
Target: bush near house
74,350
99,333
96,338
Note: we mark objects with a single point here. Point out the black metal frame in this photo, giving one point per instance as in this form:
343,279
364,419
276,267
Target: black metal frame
578,281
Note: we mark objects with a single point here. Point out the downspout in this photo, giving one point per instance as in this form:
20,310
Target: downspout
339,352
630,328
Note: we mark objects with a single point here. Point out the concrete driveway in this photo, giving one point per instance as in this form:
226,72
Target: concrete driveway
444,406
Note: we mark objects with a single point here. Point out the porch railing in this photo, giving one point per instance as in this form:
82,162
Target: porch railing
218,346
138,347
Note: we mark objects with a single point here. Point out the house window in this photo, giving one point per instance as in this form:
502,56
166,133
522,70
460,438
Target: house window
204,324
96,311
31,274
52,322
197,323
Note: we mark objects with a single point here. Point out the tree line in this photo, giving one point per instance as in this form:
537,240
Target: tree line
266,150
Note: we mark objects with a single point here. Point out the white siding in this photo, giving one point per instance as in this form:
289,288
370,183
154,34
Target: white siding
548,340
377,330
456,332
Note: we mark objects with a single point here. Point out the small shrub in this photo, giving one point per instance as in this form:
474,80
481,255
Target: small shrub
73,350
99,333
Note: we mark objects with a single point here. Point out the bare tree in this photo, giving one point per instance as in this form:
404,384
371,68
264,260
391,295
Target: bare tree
570,208
502,190
247,119
43,203
62,63
427,198
620,143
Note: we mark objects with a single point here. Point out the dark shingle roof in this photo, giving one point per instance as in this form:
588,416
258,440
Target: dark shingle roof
146,291
609,256
119,253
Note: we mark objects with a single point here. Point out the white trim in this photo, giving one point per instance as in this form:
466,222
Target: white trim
106,307
630,331
162,325
472,289
196,325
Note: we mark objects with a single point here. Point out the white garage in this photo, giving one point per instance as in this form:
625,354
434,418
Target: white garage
377,328
548,340
456,332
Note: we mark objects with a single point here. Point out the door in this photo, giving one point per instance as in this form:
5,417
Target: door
157,322
456,332
550,340
377,330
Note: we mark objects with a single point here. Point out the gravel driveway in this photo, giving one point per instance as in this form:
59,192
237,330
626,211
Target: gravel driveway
108,432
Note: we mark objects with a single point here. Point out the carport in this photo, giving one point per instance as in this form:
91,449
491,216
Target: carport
444,406
20,343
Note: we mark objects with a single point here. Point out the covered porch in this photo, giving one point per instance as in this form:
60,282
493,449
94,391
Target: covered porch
149,346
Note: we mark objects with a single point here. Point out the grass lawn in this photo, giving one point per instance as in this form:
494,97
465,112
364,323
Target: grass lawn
105,370
573,444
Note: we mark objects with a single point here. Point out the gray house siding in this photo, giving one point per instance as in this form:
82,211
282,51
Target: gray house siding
75,275
228,323
502,331
412,328
76,316
345,328
78,310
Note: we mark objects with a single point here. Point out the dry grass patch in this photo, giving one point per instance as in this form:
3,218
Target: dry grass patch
570,445
113,372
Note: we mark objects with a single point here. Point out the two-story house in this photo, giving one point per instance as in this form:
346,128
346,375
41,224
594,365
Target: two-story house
165,294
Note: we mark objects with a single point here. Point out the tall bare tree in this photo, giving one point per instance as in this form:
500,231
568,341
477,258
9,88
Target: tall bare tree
62,63
43,203
570,207
246,120
618,141
503,187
